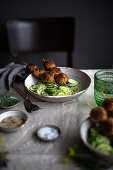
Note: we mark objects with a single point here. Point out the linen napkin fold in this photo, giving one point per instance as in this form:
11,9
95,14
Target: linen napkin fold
9,73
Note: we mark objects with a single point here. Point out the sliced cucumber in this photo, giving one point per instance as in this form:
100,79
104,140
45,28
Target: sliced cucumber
74,88
100,142
104,148
44,93
102,139
51,90
72,82
32,89
35,86
51,85
60,93
66,90
39,91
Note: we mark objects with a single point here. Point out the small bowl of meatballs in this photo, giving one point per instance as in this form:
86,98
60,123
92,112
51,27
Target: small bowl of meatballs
56,84
96,132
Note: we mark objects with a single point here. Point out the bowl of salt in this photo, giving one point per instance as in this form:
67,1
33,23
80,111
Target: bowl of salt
48,133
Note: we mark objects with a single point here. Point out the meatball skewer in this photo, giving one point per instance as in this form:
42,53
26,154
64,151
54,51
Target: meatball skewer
97,114
33,69
30,67
61,79
47,77
108,104
48,64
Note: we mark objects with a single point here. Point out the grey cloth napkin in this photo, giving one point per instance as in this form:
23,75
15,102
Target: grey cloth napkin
9,73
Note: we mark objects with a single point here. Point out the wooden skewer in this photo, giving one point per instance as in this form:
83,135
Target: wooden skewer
103,94
24,63
55,83
66,84
44,59
89,105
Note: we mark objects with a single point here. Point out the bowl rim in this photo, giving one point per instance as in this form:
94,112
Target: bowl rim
57,97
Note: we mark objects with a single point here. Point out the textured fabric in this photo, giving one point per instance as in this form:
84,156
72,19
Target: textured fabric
9,73
27,152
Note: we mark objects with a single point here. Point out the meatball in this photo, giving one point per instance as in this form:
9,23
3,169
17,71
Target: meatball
98,114
108,104
106,127
46,77
61,78
38,72
31,67
55,71
49,64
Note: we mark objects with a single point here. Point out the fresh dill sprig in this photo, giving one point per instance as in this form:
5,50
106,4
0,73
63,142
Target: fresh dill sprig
86,161
3,149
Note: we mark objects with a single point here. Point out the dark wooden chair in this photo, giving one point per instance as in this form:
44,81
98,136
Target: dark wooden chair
41,35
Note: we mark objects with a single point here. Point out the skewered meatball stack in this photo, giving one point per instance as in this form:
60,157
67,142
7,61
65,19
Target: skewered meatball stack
48,64
38,72
104,116
61,78
55,71
108,105
50,74
106,127
98,114
31,67
46,77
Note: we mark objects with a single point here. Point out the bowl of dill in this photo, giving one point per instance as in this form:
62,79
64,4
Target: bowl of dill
7,100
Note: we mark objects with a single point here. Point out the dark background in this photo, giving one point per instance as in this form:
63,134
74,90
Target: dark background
94,29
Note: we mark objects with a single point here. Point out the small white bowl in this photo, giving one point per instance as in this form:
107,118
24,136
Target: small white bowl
6,99
13,113
48,133
83,79
84,130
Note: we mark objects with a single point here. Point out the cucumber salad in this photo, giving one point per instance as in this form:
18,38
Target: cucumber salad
52,89
100,142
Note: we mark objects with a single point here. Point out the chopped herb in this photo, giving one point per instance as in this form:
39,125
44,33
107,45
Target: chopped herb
86,161
7,100
3,150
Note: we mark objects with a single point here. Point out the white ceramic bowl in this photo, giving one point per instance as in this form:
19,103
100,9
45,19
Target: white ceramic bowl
13,113
84,130
83,79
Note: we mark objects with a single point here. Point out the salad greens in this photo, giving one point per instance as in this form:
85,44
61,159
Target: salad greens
7,100
99,142
53,89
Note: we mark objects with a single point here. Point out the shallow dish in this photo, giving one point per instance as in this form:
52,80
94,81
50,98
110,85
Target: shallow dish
7,100
13,113
48,133
83,79
84,130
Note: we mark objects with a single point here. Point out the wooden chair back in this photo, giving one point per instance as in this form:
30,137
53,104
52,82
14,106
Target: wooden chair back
41,35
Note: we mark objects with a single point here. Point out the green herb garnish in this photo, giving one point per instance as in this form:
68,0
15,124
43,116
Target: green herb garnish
86,161
3,149
7,100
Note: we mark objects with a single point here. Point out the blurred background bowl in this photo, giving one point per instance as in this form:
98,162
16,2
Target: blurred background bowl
84,130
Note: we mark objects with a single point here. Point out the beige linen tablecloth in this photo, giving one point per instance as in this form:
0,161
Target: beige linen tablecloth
26,151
